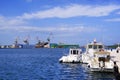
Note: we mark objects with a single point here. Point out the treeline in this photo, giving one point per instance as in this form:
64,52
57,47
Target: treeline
113,46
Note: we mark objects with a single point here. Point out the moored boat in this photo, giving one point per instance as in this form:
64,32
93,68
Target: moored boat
74,56
90,49
42,45
101,62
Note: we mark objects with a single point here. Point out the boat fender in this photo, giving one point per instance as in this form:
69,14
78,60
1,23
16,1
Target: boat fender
117,51
60,61
88,66
73,61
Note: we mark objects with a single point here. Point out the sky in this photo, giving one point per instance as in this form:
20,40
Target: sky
63,21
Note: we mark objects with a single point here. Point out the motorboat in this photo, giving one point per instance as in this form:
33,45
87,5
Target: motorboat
101,62
74,56
90,49
118,49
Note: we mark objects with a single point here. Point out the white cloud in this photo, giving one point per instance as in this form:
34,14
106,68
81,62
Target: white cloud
60,29
4,21
72,11
19,25
118,12
113,20
16,22
33,28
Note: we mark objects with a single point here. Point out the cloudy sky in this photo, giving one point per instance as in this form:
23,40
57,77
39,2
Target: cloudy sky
65,21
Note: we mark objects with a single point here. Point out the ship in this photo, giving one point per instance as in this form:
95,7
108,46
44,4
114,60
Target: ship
42,44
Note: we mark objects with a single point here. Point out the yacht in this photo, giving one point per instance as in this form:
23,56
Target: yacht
90,49
101,62
74,56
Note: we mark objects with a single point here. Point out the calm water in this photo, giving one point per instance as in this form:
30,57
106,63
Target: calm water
42,64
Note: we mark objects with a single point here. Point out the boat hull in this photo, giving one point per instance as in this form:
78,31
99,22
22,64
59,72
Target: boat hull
74,56
70,59
101,69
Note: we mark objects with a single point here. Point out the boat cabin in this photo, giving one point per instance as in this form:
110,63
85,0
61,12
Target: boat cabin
75,51
95,46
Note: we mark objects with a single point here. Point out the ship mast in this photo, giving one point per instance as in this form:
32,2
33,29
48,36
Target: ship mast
26,41
16,41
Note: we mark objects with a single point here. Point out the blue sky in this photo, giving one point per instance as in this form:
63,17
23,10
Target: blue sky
69,21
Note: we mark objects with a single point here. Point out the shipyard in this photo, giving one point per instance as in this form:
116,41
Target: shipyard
59,40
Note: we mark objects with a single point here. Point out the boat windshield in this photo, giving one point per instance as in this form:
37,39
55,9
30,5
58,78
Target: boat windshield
103,58
95,46
74,52
89,46
100,46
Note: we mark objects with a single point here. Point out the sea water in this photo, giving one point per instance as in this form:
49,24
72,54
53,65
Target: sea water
43,64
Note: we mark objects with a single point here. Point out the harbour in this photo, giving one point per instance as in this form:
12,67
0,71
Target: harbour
43,64
59,40
96,58
80,62
39,44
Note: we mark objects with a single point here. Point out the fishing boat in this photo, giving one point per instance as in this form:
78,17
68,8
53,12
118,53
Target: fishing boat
90,49
43,44
101,62
74,56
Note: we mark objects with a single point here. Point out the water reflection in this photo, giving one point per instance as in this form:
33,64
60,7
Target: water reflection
70,71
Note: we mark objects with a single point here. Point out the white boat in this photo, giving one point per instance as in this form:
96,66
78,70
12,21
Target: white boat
90,49
74,56
101,61
118,49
